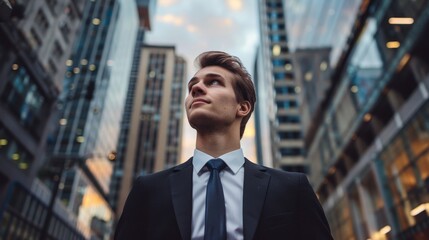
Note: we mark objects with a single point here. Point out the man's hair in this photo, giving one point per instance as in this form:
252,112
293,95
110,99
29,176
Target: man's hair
242,82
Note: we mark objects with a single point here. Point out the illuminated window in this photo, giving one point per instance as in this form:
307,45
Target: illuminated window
276,50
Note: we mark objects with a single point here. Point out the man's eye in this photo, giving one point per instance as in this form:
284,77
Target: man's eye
214,82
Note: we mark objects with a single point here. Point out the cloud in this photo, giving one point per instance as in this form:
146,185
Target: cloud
235,5
167,3
171,19
191,28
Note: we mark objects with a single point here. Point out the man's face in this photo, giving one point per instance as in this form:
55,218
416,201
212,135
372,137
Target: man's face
211,102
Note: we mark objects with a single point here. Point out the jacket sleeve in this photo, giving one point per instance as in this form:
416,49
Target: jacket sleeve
312,219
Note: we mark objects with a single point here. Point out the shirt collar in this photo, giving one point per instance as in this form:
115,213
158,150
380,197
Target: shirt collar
234,160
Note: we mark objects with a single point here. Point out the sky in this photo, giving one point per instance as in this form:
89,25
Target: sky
195,26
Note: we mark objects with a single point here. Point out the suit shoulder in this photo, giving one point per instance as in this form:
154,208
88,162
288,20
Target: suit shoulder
290,178
161,175
283,173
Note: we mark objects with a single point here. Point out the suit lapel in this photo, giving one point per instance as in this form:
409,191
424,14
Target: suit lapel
256,182
181,194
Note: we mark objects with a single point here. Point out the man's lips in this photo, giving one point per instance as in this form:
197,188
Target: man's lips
199,100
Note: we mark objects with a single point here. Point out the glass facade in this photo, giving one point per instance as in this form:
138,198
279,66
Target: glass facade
405,172
118,173
13,151
109,115
23,214
370,153
327,23
25,100
91,110
32,53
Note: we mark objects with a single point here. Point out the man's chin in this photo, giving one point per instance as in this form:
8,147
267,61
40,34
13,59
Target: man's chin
200,121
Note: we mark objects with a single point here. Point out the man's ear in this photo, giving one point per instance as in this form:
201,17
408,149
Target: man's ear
244,109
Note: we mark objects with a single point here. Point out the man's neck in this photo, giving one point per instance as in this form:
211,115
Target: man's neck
217,144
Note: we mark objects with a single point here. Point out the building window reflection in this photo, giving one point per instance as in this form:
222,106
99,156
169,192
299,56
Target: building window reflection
340,221
13,151
24,98
406,164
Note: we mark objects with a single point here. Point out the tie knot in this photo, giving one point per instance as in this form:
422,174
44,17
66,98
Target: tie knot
217,164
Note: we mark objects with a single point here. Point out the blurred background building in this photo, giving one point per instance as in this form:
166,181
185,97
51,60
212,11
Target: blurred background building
72,104
152,124
278,137
361,69
35,41
75,147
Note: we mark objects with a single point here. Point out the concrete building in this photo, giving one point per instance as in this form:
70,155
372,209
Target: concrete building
51,27
150,138
34,45
279,140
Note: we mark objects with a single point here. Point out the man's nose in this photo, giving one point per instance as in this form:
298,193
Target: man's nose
197,89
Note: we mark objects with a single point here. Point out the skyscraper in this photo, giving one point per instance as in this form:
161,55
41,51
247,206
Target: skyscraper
368,146
150,137
145,15
88,125
279,124
35,42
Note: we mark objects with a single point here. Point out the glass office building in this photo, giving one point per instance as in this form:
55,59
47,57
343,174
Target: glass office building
34,44
369,149
84,145
145,10
366,139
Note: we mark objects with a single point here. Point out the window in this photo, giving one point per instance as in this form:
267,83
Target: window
285,90
279,76
57,50
289,135
287,104
41,21
52,66
25,99
290,151
12,150
52,4
406,165
65,31
35,40
289,119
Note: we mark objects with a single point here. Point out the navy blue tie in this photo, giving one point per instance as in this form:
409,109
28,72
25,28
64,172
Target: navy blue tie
215,224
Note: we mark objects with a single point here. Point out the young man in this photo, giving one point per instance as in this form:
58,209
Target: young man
243,200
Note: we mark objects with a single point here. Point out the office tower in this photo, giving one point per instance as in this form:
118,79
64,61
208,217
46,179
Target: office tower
369,145
145,11
34,44
313,77
279,124
150,138
83,146
51,27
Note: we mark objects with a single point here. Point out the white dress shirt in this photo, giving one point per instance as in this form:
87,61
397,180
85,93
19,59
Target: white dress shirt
232,178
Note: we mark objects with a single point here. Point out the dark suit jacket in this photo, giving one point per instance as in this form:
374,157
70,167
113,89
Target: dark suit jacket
276,205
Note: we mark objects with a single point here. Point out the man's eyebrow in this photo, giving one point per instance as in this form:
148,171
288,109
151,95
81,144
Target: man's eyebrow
192,80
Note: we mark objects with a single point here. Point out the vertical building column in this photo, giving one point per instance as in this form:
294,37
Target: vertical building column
368,209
